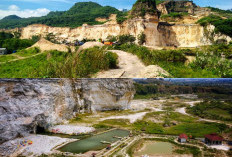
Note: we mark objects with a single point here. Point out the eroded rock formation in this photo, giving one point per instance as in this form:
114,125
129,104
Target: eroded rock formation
157,33
29,104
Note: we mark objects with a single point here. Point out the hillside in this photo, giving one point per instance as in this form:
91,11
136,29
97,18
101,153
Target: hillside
143,7
11,17
80,13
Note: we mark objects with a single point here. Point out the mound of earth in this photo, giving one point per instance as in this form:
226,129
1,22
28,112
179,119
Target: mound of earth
46,45
91,44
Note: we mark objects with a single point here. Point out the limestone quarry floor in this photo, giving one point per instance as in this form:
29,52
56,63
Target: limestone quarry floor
130,66
139,110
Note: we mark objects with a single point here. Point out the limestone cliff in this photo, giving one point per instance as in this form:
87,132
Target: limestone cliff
26,104
158,34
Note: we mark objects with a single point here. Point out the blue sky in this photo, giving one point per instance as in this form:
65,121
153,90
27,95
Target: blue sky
26,8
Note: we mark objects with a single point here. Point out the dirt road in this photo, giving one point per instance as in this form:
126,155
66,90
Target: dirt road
131,67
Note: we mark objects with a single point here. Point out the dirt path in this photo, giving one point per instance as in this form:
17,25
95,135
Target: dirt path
21,58
131,67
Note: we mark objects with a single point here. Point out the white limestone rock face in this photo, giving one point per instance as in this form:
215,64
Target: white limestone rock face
26,104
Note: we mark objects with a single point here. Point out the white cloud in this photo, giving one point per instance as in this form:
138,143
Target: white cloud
15,10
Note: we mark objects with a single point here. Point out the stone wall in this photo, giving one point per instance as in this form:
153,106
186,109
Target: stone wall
28,103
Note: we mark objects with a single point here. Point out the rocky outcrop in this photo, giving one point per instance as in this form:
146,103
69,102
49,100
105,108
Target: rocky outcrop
189,35
157,33
177,6
30,104
182,35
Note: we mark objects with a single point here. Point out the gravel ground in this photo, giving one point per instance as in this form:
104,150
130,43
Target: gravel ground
71,129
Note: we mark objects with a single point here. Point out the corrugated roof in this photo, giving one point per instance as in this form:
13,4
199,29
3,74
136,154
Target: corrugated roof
214,137
183,136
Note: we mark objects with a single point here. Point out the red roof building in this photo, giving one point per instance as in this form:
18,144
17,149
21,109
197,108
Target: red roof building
213,139
183,138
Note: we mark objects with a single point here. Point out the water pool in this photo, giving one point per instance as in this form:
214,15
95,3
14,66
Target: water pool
93,143
155,148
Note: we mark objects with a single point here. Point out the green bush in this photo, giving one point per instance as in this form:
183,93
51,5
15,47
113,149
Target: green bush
213,63
154,56
123,39
121,17
209,64
173,15
92,60
141,38
223,26
4,36
15,44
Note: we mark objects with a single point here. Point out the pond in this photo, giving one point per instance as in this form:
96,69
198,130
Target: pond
94,143
155,148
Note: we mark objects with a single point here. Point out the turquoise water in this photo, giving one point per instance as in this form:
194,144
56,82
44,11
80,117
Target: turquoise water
94,142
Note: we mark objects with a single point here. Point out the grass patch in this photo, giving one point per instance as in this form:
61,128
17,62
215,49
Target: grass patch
6,58
181,118
212,110
173,16
196,129
56,64
115,123
28,52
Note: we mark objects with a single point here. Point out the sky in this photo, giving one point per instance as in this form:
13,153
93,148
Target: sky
35,8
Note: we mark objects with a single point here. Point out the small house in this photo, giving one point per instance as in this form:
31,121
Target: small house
213,139
182,138
3,51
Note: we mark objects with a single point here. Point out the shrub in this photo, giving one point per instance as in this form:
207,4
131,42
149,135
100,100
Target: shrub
112,38
211,62
92,60
123,39
141,38
16,44
223,26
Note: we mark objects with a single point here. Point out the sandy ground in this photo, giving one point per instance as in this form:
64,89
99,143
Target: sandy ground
131,67
41,144
72,129
221,147
131,117
182,110
154,105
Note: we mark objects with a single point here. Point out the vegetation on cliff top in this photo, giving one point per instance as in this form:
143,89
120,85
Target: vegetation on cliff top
223,26
143,7
80,13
